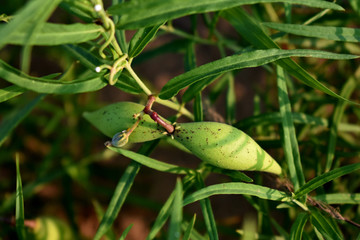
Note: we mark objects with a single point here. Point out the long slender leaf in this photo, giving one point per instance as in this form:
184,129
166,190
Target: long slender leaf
196,88
339,198
150,162
11,121
142,38
34,13
246,60
19,211
237,188
142,13
301,118
324,178
122,191
10,92
325,225
207,212
251,30
176,213
298,226
43,85
118,199
347,90
289,140
125,232
330,33
189,228
57,34
84,56
162,217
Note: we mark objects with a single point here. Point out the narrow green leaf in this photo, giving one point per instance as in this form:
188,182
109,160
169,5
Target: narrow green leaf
141,13
162,217
298,226
43,85
12,120
331,33
194,234
355,4
19,210
324,178
125,232
10,92
197,87
122,191
198,108
57,34
120,34
190,227
176,213
245,60
118,198
238,188
339,198
289,140
325,225
85,57
128,84
231,100
251,30
142,38
346,92
300,118
150,162
34,13
78,9
207,212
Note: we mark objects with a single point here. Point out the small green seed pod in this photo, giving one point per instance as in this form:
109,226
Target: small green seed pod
49,228
225,146
117,117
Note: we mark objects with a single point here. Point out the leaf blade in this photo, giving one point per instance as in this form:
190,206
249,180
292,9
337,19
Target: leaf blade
246,60
237,188
326,32
136,14
324,178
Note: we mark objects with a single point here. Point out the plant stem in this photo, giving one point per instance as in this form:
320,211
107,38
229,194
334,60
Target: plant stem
137,79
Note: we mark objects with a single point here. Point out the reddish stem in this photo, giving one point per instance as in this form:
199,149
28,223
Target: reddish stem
147,110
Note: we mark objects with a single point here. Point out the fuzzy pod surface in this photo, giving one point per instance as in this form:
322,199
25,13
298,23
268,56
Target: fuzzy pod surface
225,146
117,117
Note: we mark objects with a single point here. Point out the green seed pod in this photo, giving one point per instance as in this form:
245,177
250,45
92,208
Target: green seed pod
225,146
118,117
49,228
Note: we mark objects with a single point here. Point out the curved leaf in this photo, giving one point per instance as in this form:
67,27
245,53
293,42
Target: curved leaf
142,13
252,31
339,198
298,227
331,33
43,85
237,188
57,34
248,59
34,13
324,178
141,38
150,162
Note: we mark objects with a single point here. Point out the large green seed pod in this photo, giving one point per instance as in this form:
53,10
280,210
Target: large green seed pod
118,117
225,146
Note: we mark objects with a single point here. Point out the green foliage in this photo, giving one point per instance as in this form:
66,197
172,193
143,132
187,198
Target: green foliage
267,86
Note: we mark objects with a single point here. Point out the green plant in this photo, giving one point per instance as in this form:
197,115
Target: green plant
300,113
